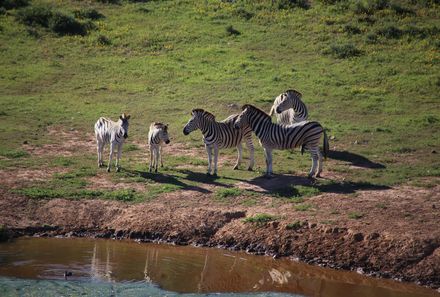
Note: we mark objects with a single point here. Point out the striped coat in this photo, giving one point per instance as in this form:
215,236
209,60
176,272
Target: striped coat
217,135
157,135
281,137
113,133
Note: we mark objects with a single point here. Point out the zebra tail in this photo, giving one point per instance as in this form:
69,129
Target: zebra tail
326,145
302,149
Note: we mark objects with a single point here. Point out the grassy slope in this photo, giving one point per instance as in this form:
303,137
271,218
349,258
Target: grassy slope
167,57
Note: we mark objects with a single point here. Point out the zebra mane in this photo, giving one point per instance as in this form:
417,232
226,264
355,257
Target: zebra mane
254,108
160,125
205,113
295,93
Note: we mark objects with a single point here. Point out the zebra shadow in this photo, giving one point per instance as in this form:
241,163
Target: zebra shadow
355,159
288,186
164,178
204,178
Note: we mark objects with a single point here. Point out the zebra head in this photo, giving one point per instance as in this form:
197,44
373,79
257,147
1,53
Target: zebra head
242,119
124,123
163,134
195,121
287,100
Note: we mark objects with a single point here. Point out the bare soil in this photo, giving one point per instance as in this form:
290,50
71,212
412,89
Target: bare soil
388,232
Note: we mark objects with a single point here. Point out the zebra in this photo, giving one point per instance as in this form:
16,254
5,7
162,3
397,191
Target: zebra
157,135
289,108
107,131
218,135
275,136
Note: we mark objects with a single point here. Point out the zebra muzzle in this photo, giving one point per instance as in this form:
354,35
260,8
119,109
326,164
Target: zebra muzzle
185,132
125,135
167,141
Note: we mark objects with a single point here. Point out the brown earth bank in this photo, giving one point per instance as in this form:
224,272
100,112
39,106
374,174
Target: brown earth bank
401,240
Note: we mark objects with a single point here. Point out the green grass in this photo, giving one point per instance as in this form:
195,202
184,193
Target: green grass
295,225
368,71
260,219
355,215
303,207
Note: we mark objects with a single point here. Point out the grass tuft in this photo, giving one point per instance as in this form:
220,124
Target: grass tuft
260,219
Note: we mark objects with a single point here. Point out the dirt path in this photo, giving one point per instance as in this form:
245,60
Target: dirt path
389,232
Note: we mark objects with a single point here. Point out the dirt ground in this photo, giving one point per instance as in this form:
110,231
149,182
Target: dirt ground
397,236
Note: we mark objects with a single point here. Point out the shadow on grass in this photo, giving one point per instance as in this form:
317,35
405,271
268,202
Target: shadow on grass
288,186
355,159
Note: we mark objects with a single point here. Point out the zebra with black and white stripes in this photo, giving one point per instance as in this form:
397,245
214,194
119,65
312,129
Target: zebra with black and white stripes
289,108
157,135
217,135
114,133
274,136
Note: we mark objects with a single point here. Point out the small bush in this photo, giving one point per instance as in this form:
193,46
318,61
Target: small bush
260,219
89,13
370,6
11,4
289,4
66,25
35,15
344,51
243,13
232,31
228,192
294,226
390,31
350,29
355,215
398,9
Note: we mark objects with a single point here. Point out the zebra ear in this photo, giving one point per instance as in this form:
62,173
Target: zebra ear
127,117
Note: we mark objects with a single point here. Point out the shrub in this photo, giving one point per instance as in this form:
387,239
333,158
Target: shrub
11,4
350,29
260,219
89,13
35,15
243,13
390,31
288,4
66,25
232,31
344,51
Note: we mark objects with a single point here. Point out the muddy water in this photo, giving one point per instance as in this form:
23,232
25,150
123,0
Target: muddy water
102,267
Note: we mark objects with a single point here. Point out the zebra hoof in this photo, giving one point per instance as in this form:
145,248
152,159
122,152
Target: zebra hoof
208,174
250,169
108,169
236,167
118,169
155,171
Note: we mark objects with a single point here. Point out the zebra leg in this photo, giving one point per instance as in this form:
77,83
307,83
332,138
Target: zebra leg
112,147
268,156
99,150
118,168
151,158
215,159
320,161
209,152
250,147
240,152
156,158
160,153
315,157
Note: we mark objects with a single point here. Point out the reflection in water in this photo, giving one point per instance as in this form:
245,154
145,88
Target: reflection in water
184,269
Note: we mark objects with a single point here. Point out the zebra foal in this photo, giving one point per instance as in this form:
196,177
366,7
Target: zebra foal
114,133
274,136
157,135
217,135
289,108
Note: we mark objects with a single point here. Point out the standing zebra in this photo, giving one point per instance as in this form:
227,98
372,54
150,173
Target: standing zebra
157,135
107,131
274,136
218,135
289,108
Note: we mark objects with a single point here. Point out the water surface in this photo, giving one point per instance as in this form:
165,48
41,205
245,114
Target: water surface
127,268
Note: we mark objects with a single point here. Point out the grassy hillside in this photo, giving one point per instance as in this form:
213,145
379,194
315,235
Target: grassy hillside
369,72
